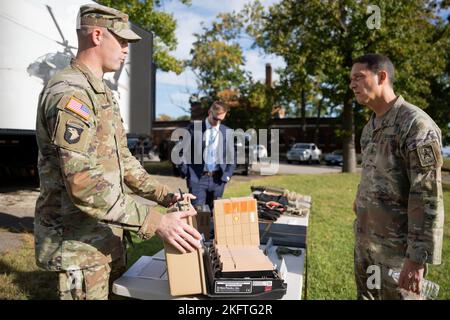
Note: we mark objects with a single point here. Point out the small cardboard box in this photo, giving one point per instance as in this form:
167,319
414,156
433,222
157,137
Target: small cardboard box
185,271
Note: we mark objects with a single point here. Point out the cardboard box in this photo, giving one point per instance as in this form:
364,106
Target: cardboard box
185,271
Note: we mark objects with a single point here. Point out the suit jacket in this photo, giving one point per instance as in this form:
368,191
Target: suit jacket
193,171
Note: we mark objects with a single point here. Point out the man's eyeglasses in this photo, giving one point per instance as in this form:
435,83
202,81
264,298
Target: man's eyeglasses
215,116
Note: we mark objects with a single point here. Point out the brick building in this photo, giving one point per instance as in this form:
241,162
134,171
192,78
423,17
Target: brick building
322,132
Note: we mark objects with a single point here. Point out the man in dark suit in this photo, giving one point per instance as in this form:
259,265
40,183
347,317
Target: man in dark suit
212,160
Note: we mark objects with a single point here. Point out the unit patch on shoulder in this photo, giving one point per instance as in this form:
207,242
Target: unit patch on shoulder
79,108
426,155
73,132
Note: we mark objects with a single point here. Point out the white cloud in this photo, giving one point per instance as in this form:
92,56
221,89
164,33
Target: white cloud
256,64
188,23
226,5
186,79
179,98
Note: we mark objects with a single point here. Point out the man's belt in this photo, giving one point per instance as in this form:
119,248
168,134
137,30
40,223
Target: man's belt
211,174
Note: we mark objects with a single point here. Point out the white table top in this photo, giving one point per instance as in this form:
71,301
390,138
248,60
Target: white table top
147,278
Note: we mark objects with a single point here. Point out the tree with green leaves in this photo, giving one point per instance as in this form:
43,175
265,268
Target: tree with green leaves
439,99
318,39
144,14
218,62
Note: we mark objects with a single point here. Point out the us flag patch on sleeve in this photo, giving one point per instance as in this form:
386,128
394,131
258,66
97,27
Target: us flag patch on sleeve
76,106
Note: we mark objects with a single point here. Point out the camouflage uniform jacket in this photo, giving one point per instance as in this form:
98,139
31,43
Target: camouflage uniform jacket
399,201
84,164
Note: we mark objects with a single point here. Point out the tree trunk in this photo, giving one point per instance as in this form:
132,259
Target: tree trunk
303,103
303,110
348,135
316,133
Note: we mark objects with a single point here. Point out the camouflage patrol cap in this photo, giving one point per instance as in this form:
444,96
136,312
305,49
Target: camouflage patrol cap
114,20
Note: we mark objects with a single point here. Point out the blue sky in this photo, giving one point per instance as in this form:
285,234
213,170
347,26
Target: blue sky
174,90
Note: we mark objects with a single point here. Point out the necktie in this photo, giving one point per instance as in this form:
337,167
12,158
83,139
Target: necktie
211,155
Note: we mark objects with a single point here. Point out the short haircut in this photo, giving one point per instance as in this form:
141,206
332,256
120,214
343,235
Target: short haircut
218,106
376,62
84,31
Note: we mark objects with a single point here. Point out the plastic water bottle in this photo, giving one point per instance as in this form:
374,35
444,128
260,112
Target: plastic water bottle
429,289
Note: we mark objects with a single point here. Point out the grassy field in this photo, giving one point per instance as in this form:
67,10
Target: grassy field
20,279
446,165
330,243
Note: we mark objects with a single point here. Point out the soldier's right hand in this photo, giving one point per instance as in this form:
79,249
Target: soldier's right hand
354,206
177,232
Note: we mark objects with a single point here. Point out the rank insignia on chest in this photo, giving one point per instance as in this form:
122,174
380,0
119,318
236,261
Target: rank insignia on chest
78,107
73,132
426,155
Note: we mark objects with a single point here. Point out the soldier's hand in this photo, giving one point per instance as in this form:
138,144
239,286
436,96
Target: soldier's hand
177,197
411,276
186,196
178,233
354,206
172,198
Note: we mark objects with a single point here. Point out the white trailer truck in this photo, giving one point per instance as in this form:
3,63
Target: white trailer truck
38,38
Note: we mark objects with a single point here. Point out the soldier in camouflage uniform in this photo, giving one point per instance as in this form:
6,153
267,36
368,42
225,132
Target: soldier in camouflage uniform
399,203
84,165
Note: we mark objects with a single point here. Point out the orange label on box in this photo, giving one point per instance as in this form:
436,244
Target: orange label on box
227,208
244,206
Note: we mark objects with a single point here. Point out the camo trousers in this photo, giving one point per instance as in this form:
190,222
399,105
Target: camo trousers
370,265
92,283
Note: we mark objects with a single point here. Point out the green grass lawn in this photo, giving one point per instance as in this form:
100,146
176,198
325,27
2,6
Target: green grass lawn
330,242
330,238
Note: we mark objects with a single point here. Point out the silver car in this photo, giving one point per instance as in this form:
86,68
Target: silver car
304,152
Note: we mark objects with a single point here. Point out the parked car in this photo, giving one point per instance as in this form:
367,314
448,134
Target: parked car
334,158
304,152
259,151
135,145
245,167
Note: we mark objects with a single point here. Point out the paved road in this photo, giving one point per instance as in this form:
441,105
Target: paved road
285,168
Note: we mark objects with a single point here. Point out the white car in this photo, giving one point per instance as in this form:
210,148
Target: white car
304,152
259,151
